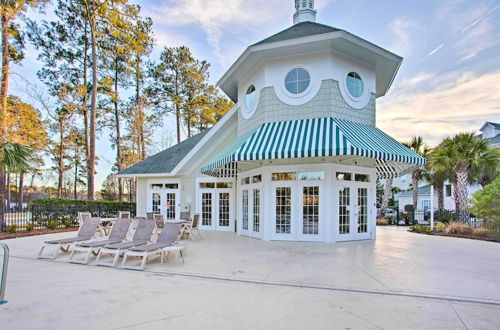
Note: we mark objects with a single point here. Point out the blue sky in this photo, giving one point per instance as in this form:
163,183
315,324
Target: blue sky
449,80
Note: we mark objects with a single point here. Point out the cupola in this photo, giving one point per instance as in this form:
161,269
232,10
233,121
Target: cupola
304,11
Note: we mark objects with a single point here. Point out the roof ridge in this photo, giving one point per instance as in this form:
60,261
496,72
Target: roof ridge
297,26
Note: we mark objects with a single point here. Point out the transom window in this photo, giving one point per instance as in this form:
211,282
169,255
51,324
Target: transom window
297,81
354,84
250,96
291,176
158,186
344,176
220,185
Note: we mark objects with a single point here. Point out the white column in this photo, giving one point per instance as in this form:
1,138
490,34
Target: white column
432,207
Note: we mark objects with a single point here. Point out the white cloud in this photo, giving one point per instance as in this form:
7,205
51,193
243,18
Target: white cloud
434,51
459,102
401,28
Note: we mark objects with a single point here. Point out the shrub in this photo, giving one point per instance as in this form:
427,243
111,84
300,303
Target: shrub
439,227
61,210
458,228
485,204
29,227
12,229
52,224
481,232
420,229
381,222
406,217
68,223
390,219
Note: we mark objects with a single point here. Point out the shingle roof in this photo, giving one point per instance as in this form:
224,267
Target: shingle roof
299,30
422,191
496,125
166,160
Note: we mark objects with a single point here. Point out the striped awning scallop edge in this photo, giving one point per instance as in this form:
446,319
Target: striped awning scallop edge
316,137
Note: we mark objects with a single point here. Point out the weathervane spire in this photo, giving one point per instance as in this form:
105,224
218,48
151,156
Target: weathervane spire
304,11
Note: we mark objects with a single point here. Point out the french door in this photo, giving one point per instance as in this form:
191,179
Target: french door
298,211
165,202
353,214
216,209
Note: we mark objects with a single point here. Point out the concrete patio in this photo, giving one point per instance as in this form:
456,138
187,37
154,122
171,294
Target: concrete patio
401,280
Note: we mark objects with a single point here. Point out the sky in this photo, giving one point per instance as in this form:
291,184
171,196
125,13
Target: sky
449,81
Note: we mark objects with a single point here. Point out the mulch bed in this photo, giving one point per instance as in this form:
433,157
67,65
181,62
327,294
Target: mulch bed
35,232
490,238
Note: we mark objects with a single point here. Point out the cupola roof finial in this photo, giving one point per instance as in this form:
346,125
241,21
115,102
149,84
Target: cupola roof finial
304,11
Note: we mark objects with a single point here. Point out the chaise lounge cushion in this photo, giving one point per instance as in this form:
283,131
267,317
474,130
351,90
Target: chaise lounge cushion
87,230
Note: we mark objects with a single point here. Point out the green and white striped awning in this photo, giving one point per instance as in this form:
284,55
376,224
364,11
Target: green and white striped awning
318,137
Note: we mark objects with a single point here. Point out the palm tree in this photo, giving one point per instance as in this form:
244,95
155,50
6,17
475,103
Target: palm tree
468,158
436,178
14,157
387,196
417,145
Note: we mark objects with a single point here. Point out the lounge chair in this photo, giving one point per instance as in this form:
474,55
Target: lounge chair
123,214
185,215
159,223
83,215
117,235
87,231
141,236
168,236
190,227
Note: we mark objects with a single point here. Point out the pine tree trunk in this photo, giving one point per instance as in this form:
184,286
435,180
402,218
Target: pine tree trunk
118,134
387,196
93,108
75,183
20,199
462,194
4,90
85,96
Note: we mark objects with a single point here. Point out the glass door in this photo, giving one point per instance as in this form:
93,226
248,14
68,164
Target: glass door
171,206
353,213
282,213
156,202
207,210
256,214
345,211
310,213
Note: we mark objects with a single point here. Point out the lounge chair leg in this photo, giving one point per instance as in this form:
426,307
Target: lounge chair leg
115,259
144,260
124,260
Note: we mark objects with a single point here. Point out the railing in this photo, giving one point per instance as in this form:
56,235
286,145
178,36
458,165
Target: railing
445,216
3,279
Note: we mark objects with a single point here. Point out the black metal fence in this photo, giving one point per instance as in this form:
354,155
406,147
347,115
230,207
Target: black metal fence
444,216
51,216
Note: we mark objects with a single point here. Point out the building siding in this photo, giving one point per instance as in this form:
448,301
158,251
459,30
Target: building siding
328,102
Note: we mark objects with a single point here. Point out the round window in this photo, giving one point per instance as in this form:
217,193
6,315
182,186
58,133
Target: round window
354,84
250,96
297,81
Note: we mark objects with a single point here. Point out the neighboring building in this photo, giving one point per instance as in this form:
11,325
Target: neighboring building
298,156
491,131
424,197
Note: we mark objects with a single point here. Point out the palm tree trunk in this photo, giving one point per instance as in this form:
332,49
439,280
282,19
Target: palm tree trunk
20,199
461,191
414,180
440,196
8,191
387,196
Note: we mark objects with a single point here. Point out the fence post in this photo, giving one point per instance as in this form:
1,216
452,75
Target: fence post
432,207
3,279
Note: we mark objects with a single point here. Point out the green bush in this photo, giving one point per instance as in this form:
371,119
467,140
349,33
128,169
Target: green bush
45,210
52,224
12,229
29,226
485,204
68,223
420,229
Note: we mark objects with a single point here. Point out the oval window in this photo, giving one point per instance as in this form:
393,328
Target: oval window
297,81
250,96
354,84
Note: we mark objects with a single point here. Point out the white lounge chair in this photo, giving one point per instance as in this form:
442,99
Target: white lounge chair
142,236
168,237
86,231
117,235
191,227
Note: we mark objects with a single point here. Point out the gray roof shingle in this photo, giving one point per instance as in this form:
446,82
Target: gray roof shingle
496,125
422,191
299,30
166,160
